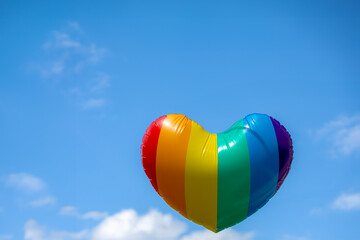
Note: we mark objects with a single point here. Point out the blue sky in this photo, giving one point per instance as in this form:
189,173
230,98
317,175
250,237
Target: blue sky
80,82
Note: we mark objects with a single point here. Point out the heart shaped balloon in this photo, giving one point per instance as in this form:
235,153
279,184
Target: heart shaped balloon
216,180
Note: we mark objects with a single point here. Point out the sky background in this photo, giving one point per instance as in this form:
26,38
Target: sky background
81,81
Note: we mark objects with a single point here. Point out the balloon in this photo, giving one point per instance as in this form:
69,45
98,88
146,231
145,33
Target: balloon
216,180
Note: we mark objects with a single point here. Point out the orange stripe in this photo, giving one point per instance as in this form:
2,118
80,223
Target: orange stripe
170,160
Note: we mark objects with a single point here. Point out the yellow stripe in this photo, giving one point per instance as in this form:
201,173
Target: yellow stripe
170,160
201,177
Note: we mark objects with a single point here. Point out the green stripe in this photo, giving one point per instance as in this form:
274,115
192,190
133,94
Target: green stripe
233,176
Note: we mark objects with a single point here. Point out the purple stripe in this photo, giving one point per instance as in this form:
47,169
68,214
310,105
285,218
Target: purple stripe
285,151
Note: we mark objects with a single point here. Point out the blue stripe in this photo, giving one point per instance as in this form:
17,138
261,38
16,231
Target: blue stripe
264,160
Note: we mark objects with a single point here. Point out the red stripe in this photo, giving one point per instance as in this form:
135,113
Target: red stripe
148,150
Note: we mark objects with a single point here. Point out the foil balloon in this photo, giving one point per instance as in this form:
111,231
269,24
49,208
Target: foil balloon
216,180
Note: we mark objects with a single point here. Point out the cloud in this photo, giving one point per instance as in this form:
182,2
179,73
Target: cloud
316,211
93,103
94,215
49,200
73,211
72,61
95,53
347,202
30,184
25,182
75,26
61,40
343,134
33,231
129,225
66,51
91,95
100,83
6,237
55,67
344,202
69,211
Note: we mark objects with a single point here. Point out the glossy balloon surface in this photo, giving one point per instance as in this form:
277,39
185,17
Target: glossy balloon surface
216,180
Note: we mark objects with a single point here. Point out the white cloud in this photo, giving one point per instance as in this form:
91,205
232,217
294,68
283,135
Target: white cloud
54,68
226,234
95,53
94,215
69,211
343,134
67,52
73,61
93,103
155,225
316,211
6,237
129,225
91,95
61,40
347,202
49,200
33,231
25,182
75,26
100,83
73,211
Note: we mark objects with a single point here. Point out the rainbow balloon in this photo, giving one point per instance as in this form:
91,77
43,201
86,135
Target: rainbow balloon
216,180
